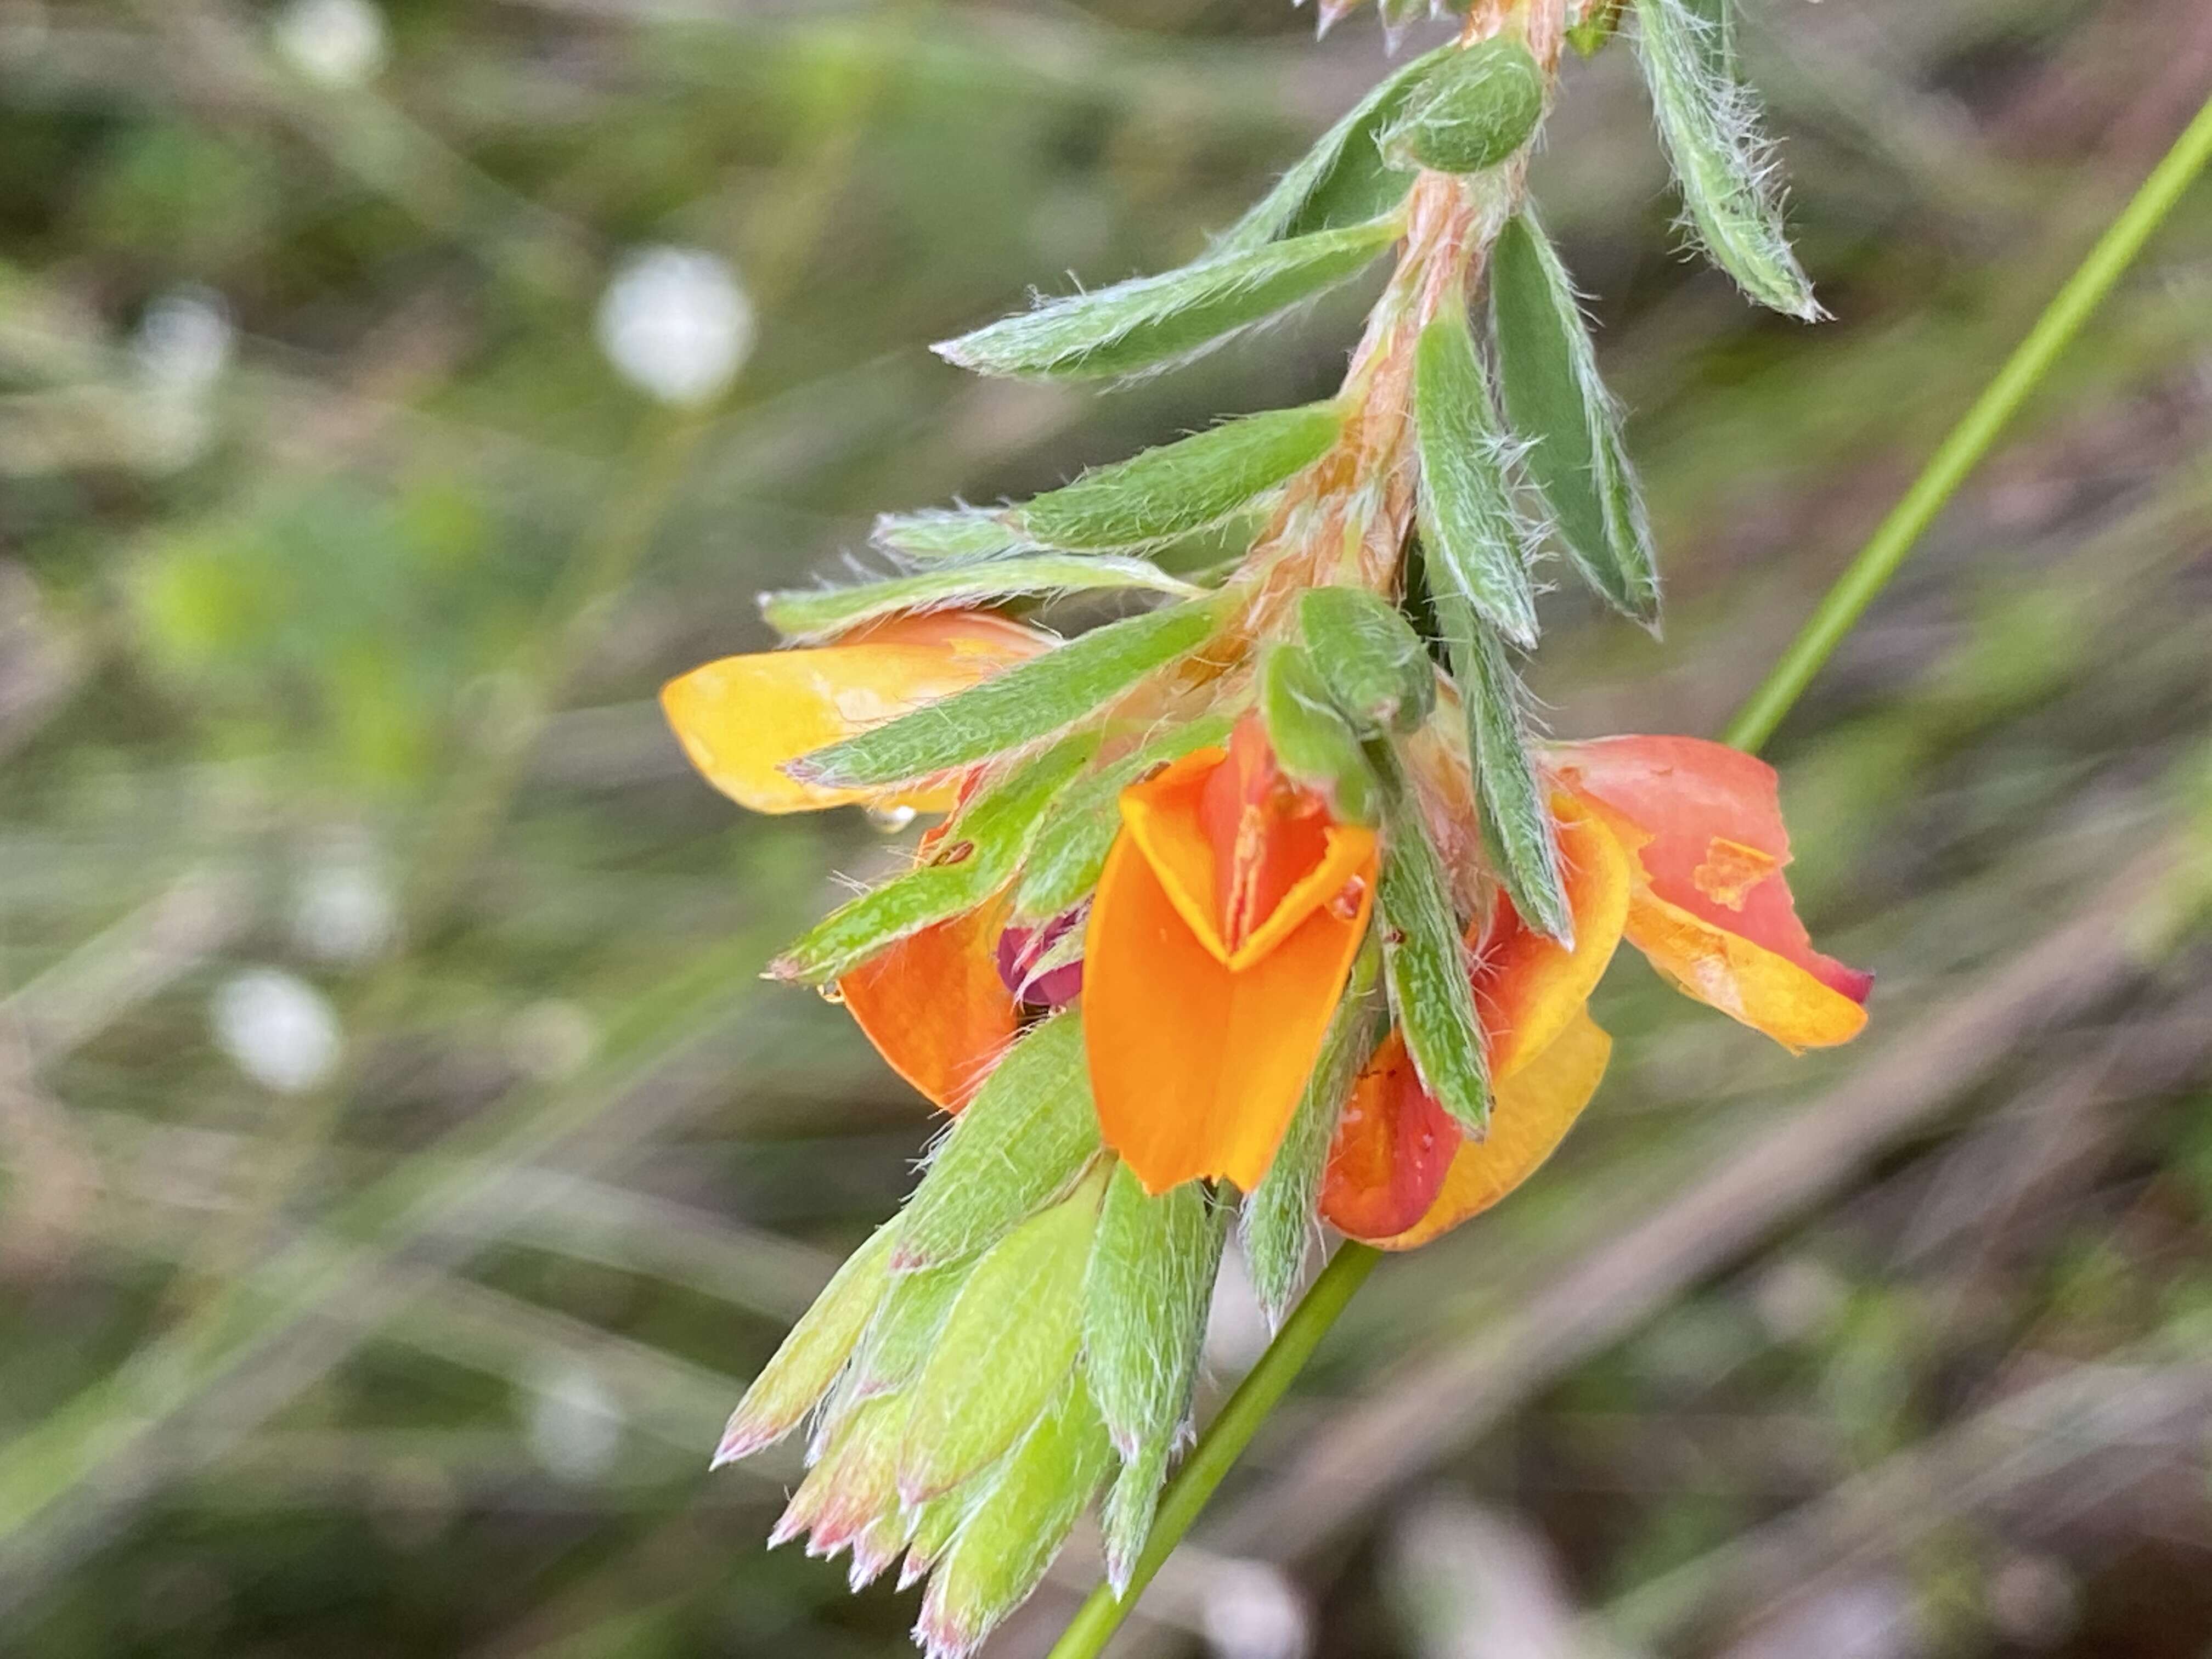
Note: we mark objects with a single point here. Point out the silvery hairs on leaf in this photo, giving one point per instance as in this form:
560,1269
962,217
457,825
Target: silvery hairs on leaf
809,615
1153,322
1556,402
1517,813
1479,546
1031,699
950,534
1709,122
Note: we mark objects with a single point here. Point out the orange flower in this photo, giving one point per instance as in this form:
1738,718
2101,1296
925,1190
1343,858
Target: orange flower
1702,824
1224,927
936,1006
741,719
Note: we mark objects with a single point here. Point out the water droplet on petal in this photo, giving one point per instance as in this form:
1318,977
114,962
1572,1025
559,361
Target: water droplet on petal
890,819
833,994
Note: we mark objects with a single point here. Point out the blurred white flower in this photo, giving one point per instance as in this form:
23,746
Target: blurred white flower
675,324
277,1029
343,909
575,1425
181,348
333,42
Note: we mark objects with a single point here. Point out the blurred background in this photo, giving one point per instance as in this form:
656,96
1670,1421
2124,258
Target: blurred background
402,1167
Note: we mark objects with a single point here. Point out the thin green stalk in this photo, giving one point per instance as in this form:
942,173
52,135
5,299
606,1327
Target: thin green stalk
1230,1432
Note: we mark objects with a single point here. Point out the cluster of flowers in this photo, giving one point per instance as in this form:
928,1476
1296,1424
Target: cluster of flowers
1264,902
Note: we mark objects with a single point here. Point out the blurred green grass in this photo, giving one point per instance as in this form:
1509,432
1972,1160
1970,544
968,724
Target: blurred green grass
338,565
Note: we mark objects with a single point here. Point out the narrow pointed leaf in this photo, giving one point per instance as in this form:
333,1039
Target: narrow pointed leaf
1369,657
1031,699
1343,179
1473,110
1432,989
1313,741
905,1327
977,856
950,535
1070,849
819,613
1277,1219
1178,488
1478,546
1516,818
1005,1350
802,1370
1724,164
1006,1543
1150,1280
1156,320
1556,402
1023,1140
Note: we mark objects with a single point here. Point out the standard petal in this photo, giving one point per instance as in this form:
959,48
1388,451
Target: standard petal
1767,992
935,1006
1534,1110
1393,1146
1528,987
1196,1068
1711,839
741,718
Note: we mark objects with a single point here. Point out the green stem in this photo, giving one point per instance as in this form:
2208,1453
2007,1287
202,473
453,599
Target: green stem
1231,1430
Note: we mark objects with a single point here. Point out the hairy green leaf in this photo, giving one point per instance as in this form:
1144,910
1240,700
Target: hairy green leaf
1125,1519
950,534
1473,110
1070,849
1154,321
905,1327
1006,1348
1028,1133
1426,966
1145,1300
1479,548
1277,1220
804,1367
1031,699
819,613
1313,741
1343,179
1555,400
1177,488
1516,817
1724,164
1369,657
978,854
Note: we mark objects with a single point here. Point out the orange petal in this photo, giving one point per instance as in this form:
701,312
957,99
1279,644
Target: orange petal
934,1005
1531,1115
1528,987
741,718
1712,843
1392,1148
1767,992
1196,1067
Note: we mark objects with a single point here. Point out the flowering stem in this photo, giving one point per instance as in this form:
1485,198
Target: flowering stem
1232,1430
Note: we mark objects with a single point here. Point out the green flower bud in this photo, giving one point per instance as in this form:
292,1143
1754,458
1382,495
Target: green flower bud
1369,658
1313,742
1474,109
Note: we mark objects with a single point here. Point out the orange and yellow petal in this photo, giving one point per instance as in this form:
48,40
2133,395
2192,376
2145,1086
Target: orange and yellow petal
740,719
1528,987
1195,1065
1767,992
1529,1117
1392,1148
935,1006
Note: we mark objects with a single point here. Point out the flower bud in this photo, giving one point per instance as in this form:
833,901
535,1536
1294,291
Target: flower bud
1313,743
1474,109
1368,656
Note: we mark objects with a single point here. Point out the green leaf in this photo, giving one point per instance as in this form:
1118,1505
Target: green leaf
1555,400
905,1327
978,855
953,534
1473,110
854,1482
810,1356
1589,33
1426,965
1343,179
817,613
1276,1221
1369,657
1478,546
1144,1302
1177,488
1125,1519
1313,741
1156,320
1709,122
1005,1350
1516,817
1031,699
1026,1136
1070,849
1006,1543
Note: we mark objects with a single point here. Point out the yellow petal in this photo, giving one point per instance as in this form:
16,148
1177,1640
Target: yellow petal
1195,1067
1528,987
1747,982
1531,1115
